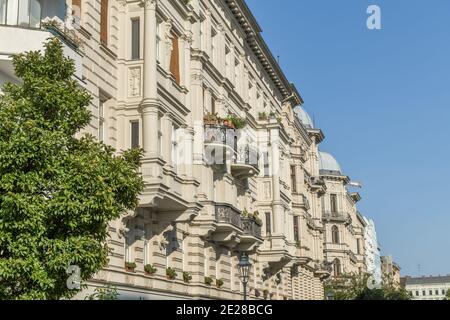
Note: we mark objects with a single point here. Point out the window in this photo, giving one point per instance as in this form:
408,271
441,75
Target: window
266,164
337,268
358,246
293,179
335,234
268,224
104,21
135,134
23,13
160,136
101,119
333,203
174,147
424,293
175,59
431,292
417,293
158,40
296,229
135,39
227,62
213,45
443,292
436,292
3,11
237,77
213,104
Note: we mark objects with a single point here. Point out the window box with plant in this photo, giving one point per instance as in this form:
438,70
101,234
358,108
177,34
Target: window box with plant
208,281
219,283
149,269
130,266
187,277
171,273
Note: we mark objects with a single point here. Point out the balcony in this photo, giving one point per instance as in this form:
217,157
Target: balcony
323,269
301,201
339,217
245,162
233,230
22,29
315,184
352,257
220,143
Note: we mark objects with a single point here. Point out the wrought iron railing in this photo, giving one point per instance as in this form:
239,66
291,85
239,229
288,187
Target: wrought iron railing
219,134
336,216
228,214
251,227
246,155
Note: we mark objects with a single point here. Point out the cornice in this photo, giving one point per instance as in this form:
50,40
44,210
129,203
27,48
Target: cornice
254,39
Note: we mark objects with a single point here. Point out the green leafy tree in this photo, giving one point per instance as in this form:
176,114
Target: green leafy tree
57,192
447,296
362,287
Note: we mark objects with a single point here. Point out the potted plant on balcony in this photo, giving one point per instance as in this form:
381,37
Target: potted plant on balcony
211,119
228,122
171,273
238,123
149,269
265,294
257,219
257,293
208,281
219,283
262,116
130,266
187,277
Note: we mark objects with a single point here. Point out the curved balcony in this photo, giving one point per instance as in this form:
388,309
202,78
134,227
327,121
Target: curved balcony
245,163
339,217
232,229
220,143
251,237
228,225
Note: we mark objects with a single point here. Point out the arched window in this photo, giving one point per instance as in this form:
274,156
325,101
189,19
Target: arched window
335,234
337,268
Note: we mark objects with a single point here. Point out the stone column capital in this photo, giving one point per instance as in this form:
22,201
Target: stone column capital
149,4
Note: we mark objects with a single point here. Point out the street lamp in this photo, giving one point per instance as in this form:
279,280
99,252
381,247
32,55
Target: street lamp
244,271
330,295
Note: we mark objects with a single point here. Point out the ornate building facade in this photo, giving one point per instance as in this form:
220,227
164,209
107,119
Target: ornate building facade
178,79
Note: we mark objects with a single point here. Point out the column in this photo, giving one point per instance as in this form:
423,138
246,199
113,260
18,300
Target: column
150,102
277,207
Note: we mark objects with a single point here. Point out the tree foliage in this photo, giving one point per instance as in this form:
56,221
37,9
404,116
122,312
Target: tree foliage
57,192
363,287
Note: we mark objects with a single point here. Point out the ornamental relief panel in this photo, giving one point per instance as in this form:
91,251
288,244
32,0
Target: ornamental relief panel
134,82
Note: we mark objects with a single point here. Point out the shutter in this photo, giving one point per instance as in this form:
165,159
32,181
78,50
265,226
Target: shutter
175,59
104,22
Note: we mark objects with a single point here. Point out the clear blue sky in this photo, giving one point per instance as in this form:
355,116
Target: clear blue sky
382,99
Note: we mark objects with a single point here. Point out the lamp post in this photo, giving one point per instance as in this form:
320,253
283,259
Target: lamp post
244,271
330,295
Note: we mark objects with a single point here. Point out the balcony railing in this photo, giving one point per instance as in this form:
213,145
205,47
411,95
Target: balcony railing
247,155
228,214
336,217
251,227
352,257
